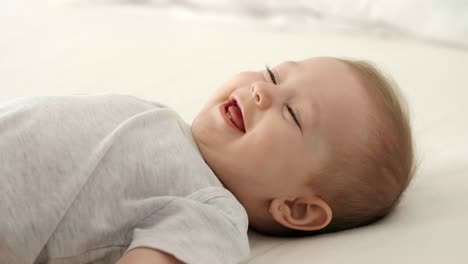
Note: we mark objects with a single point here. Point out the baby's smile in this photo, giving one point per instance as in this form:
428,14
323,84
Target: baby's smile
234,113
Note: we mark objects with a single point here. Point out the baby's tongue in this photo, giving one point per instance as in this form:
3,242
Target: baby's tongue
236,116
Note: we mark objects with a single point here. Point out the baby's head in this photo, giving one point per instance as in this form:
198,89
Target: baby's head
312,146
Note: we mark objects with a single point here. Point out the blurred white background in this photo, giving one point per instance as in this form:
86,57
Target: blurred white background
443,21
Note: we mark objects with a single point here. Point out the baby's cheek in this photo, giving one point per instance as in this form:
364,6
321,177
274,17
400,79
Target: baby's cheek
242,80
266,146
224,91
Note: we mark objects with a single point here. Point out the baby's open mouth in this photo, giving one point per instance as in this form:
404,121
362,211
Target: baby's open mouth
234,114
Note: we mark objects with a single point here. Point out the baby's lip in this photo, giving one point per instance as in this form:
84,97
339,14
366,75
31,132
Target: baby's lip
239,104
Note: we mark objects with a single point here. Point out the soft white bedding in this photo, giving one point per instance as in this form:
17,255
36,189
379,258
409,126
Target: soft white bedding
443,21
140,51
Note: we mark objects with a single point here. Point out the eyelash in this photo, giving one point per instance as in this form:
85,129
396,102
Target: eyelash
272,77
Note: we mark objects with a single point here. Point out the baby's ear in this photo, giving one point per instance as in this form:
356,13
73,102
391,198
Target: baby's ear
302,213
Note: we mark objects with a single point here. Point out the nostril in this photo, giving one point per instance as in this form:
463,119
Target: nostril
257,97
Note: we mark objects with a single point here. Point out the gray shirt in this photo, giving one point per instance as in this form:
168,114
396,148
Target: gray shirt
83,179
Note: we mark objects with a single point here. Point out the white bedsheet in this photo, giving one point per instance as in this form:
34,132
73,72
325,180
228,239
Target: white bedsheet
142,52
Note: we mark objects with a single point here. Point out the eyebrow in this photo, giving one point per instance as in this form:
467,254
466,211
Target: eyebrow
291,64
310,115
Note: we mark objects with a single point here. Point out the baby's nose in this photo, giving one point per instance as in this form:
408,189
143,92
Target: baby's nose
261,92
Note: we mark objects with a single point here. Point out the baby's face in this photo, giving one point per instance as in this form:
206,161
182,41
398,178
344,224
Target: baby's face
290,121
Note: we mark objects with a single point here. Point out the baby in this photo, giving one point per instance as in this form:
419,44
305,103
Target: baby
323,145
306,147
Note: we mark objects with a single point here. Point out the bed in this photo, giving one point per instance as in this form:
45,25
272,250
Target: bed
80,47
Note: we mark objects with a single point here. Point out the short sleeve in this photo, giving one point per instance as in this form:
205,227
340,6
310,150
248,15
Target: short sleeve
208,226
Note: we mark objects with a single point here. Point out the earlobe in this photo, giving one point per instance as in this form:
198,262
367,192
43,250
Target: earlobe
304,213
